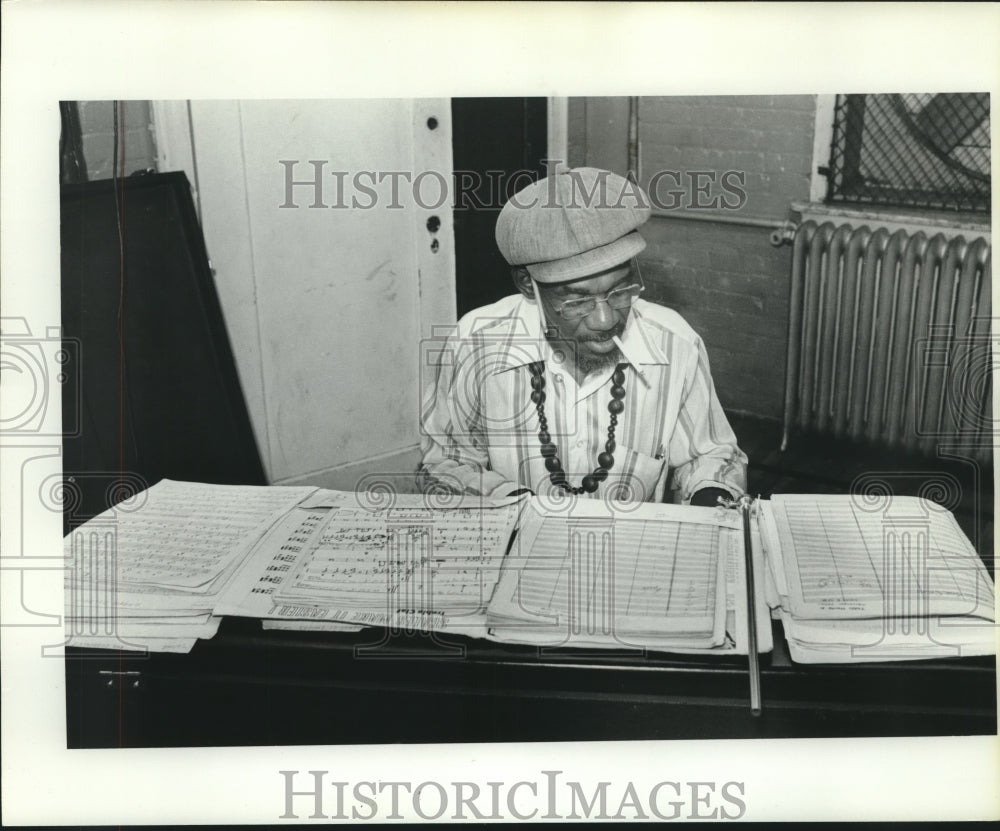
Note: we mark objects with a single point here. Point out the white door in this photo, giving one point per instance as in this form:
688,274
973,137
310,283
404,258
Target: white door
327,272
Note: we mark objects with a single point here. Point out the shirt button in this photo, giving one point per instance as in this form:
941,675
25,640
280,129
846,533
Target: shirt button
580,443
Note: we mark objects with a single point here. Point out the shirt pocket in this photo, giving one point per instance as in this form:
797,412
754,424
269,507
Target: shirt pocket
636,477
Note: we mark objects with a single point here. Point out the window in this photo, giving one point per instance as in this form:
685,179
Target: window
916,150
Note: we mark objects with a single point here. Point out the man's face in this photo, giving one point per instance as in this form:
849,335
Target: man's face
593,332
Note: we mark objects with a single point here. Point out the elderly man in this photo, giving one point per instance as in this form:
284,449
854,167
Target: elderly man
575,384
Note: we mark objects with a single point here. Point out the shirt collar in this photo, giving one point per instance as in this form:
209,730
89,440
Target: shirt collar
528,345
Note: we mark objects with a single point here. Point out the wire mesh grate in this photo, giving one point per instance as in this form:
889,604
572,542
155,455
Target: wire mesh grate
925,150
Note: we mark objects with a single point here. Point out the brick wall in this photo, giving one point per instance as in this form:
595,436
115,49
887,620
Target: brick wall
731,285
96,127
727,280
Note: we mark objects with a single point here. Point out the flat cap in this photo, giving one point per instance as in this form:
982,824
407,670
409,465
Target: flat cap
573,224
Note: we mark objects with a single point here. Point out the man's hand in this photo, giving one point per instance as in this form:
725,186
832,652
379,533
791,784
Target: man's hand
709,497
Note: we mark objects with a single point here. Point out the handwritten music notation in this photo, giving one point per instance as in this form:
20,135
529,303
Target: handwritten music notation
274,559
151,571
186,535
362,565
847,559
635,579
635,575
410,558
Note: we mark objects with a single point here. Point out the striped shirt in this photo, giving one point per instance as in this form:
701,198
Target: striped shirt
480,428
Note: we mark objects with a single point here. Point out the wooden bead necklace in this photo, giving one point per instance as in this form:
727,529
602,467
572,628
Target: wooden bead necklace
605,460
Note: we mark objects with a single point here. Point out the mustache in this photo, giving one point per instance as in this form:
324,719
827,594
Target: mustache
617,331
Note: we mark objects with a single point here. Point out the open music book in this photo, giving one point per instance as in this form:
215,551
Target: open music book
848,582
875,579
627,576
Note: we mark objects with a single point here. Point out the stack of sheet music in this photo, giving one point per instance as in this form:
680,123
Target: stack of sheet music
627,576
342,560
147,573
859,579
849,580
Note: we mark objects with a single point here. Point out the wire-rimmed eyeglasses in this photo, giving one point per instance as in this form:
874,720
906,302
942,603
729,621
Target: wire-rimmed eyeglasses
619,298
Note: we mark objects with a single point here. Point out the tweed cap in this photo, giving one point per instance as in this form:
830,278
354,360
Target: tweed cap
572,224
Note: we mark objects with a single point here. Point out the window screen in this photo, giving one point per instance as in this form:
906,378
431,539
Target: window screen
925,150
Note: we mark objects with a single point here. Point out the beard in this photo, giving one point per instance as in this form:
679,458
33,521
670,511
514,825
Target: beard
585,360
588,362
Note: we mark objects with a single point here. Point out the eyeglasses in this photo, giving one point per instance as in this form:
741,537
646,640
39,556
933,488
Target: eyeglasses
619,298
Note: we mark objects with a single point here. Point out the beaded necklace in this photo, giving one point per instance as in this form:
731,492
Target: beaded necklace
605,460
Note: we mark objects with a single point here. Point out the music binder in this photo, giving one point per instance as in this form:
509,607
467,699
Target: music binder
635,577
855,579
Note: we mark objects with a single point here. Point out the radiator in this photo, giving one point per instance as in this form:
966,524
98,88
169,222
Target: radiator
889,339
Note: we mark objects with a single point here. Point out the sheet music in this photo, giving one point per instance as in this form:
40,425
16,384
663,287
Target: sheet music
769,537
195,626
407,564
326,498
647,575
150,572
915,633
178,645
844,560
187,535
297,625
862,641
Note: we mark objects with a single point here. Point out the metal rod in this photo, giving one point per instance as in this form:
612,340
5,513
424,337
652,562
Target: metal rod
753,656
715,216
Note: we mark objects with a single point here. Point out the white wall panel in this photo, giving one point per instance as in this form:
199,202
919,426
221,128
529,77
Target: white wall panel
218,167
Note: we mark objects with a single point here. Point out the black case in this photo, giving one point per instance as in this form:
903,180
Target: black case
151,389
